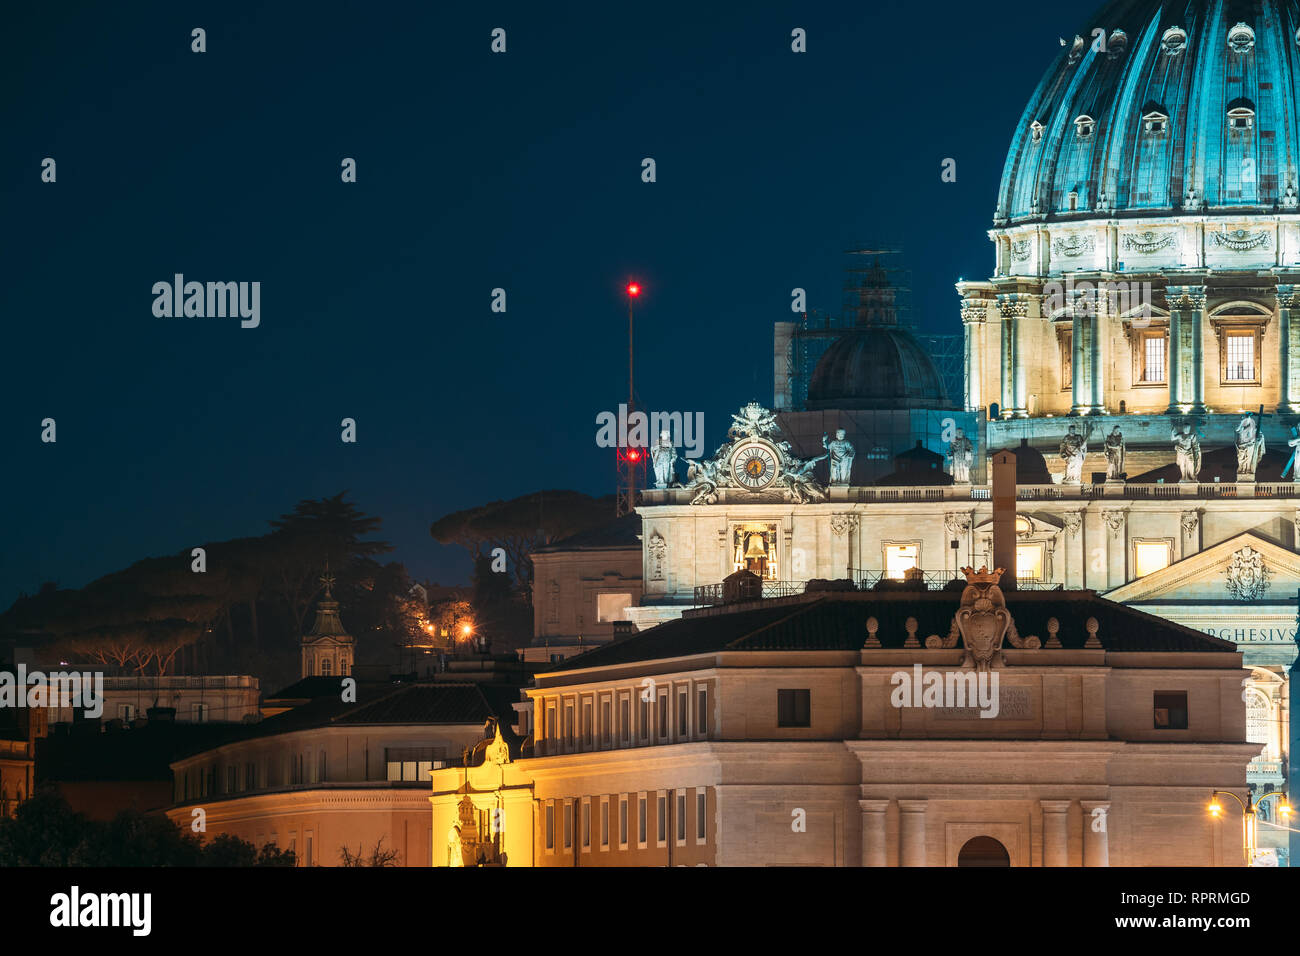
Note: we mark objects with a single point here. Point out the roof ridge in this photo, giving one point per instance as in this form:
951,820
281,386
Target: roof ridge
802,608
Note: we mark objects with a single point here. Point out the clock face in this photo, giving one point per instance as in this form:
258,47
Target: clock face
755,465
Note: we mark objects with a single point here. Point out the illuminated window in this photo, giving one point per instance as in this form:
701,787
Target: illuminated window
1239,357
899,558
406,764
1029,562
611,607
1153,350
753,548
1171,710
1149,556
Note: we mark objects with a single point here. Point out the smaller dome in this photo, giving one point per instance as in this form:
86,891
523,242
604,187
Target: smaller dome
876,368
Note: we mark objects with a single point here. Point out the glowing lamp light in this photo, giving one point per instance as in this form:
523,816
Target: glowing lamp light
1215,809
1284,809
633,289
465,629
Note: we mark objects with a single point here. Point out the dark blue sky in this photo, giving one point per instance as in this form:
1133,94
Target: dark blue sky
475,171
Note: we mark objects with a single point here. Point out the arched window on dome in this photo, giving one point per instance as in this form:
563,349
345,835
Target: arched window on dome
1072,201
1174,41
1241,115
1241,39
1083,126
1155,122
1035,131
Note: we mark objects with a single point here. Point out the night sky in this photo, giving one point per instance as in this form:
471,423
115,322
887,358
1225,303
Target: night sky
475,171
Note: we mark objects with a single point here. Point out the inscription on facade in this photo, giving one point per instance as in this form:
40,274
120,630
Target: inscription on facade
1014,703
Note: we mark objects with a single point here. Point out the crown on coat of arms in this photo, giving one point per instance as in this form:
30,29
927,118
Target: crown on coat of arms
982,576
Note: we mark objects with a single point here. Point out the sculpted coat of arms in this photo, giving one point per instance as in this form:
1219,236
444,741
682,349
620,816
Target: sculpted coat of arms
1247,575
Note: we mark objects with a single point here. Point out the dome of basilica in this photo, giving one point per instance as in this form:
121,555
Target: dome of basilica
876,368
1185,106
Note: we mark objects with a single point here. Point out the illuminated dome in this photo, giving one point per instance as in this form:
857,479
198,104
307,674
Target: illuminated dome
876,368
1162,107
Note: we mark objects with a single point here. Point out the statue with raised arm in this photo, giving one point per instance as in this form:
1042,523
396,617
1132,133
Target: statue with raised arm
841,453
1115,455
962,453
799,479
1187,452
702,478
663,456
1250,448
1074,449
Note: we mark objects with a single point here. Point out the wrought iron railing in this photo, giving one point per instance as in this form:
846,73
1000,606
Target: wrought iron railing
862,580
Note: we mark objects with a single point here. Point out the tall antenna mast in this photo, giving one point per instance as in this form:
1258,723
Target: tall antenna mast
631,458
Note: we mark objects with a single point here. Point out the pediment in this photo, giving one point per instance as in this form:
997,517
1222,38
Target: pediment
1211,575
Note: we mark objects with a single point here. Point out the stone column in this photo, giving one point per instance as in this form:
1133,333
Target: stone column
911,832
973,313
1099,342
1096,842
1080,356
875,850
1288,298
1014,309
1186,360
1056,833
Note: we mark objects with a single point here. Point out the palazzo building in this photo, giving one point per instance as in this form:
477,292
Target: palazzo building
767,732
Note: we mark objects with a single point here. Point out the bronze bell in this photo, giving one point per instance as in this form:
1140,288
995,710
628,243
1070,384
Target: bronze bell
754,547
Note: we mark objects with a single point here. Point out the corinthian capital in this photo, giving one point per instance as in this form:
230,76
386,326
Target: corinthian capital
1185,298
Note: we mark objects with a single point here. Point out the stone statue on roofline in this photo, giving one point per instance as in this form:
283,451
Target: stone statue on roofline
663,457
1250,448
962,453
1187,453
1115,455
841,453
1074,450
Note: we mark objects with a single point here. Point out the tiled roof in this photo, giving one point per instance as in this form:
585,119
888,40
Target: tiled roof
838,622
618,534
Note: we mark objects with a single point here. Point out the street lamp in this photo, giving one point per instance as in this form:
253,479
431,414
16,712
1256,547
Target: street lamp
1249,817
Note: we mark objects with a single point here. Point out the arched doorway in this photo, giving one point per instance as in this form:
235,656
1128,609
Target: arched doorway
983,851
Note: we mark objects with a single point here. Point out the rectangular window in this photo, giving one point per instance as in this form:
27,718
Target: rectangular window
1171,710
1150,556
622,822
681,817
624,720
586,724
199,713
900,558
126,711
586,824
702,712
1153,359
663,715
661,819
604,823
550,826
405,764
794,708
612,607
606,720
232,778
682,719
550,724
644,716
1239,357
309,839
701,815
568,824
568,725
1029,562
641,822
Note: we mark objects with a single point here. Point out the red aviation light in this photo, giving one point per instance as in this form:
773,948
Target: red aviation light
633,289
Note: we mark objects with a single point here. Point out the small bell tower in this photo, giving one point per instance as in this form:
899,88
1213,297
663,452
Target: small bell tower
328,650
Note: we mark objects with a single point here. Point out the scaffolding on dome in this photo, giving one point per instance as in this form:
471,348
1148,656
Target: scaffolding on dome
877,292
